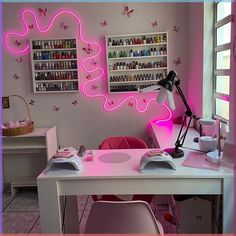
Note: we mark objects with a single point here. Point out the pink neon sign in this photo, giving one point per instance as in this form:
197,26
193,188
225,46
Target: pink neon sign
86,86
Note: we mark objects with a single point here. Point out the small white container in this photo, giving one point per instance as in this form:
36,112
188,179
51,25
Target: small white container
207,143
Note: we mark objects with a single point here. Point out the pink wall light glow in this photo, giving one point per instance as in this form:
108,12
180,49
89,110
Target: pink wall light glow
85,85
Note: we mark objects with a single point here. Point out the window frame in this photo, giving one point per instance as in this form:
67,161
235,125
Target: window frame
222,72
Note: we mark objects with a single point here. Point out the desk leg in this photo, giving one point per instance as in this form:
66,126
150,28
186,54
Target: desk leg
49,206
228,206
71,215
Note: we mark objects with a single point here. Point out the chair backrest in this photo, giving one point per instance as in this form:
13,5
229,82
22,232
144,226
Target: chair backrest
122,143
128,217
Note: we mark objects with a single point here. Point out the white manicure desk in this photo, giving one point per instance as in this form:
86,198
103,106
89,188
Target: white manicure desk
98,177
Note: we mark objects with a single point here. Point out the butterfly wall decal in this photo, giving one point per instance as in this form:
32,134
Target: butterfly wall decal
111,103
64,26
88,76
17,43
127,11
19,59
94,87
16,77
94,63
154,23
104,23
176,28
32,102
130,104
42,12
177,62
88,50
56,108
31,26
75,102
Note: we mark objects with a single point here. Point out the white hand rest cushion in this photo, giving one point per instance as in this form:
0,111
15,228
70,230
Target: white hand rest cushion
156,159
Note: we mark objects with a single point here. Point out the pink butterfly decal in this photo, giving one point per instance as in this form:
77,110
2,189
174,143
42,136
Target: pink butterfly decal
176,28
19,59
31,26
177,62
55,108
75,102
111,103
64,26
94,87
144,100
17,43
31,102
127,11
130,104
88,76
104,23
154,23
88,50
94,63
15,76
42,12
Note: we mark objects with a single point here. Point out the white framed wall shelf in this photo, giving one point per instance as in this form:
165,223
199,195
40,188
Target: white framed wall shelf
54,65
136,61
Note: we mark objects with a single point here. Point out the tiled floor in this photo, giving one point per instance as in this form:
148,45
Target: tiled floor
21,214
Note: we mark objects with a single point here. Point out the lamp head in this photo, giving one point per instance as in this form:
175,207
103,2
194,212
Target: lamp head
168,82
166,87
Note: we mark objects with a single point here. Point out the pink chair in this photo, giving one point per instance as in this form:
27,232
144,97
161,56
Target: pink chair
123,143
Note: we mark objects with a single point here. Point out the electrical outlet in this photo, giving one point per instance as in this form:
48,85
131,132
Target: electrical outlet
5,102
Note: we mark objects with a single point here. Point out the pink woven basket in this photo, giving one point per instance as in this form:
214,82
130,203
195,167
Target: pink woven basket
22,129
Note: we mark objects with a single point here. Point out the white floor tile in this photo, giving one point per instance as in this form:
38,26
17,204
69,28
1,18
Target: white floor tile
36,228
18,222
83,221
24,201
89,203
6,199
81,201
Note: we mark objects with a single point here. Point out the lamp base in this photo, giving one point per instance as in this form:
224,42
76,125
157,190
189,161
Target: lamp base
175,154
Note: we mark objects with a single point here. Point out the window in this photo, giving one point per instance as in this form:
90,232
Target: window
222,59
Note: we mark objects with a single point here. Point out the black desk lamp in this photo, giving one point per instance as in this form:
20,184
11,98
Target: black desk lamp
166,87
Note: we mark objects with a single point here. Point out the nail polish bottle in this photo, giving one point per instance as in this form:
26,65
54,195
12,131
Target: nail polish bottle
152,53
131,53
155,52
124,66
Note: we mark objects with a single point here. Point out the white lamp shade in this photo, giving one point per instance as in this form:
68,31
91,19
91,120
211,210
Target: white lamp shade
161,97
166,94
171,100
150,88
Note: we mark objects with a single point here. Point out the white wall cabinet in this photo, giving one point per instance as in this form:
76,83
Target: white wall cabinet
136,61
54,65
25,156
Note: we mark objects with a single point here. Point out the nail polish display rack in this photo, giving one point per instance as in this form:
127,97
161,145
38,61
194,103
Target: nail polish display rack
136,61
54,65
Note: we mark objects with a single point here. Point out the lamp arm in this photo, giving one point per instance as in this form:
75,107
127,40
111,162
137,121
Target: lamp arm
181,137
188,111
180,140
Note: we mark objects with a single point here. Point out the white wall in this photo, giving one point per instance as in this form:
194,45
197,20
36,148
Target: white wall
194,75
87,123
